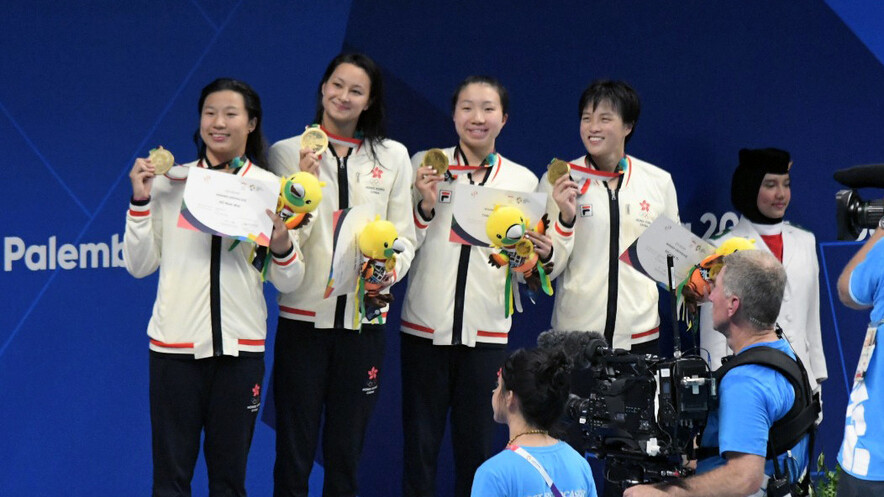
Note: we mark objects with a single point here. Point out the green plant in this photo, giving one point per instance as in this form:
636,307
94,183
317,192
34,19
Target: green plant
826,484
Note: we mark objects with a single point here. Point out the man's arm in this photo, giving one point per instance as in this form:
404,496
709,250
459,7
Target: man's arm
742,475
844,279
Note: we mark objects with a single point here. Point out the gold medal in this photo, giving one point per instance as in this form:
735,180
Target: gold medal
162,160
524,247
436,159
315,139
556,169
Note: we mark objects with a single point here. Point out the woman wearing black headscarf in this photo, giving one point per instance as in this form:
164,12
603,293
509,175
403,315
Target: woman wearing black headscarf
760,192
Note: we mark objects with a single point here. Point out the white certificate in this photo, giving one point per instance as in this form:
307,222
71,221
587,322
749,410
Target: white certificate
228,205
666,237
472,204
346,257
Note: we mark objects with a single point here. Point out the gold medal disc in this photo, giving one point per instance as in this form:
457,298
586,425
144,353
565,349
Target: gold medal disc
315,139
556,169
162,160
524,247
436,159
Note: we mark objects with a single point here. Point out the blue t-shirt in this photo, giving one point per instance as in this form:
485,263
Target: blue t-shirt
862,451
751,399
510,475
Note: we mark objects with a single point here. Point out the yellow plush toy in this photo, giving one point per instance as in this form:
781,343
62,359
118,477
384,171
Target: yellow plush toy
698,280
708,268
379,243
506,228
299,195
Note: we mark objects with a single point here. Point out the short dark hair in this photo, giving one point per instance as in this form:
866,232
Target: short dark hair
372,121
484,80
623,99
256,144
541,379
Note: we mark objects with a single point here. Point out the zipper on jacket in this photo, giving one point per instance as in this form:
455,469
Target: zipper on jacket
460,290
613,263
460,286
343,203
215,297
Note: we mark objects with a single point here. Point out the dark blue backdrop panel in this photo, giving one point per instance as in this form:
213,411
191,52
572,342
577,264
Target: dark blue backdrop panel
88,87
714,77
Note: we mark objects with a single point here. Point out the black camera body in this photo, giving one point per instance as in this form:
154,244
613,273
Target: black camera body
852,213
641,413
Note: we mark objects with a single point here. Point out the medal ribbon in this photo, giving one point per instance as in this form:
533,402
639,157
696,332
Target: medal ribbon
235,164
342,140
492,160
591,172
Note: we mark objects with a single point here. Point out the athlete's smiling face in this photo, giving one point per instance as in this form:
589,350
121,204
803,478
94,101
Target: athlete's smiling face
603,131
225,125
478,116
346,94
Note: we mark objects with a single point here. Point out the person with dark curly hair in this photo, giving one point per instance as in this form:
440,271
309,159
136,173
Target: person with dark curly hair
532,388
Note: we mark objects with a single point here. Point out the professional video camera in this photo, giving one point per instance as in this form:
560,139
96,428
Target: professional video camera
852,213
640,413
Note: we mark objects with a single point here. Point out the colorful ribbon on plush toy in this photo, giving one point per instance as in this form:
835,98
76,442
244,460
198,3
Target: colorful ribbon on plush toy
705,272
360,312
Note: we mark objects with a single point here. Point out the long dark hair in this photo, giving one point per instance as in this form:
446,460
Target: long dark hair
256,144
541,378
371,123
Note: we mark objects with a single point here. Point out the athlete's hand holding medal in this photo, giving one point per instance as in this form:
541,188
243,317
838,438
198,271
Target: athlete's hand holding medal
158,162
432,170
314,143
565,189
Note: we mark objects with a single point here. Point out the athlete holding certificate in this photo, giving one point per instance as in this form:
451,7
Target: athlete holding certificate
454,331
208,324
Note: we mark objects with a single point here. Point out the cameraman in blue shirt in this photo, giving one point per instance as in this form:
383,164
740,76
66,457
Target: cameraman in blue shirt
745,300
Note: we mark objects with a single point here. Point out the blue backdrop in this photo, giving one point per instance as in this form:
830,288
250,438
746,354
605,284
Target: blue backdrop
89,86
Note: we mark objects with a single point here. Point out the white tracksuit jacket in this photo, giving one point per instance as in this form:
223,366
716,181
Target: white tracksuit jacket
450,285
586,260
209,300
383,181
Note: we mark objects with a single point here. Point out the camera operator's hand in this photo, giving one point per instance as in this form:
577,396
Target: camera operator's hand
644,491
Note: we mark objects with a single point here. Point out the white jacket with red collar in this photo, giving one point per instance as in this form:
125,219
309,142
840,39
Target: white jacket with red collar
383,181
800,311
210,300
452,285
586,256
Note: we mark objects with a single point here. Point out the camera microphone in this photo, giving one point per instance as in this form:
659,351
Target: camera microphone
867,176
581,347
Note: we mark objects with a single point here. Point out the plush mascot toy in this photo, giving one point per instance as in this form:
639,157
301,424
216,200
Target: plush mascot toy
702,274
506,228
379,243
299,195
